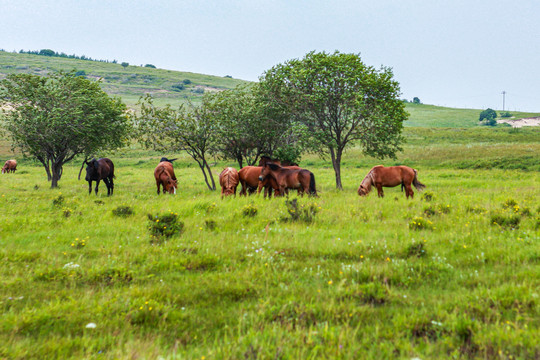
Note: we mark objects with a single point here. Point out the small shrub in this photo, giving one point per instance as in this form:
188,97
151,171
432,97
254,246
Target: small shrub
444,209
298,212
505,114
67,212
58,201
430,211
525,211
419,223
164,226
476,210
372,293
186,81
123,211
79,243
415,250
509,203
99,202
178,87
249,210
506,221
210,224
428,196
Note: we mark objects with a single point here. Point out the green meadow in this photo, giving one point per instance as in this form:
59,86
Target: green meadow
452,273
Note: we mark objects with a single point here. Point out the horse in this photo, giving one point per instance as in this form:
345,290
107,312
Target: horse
266,159
287,178
391,176
228,179
168,160
164,175
249,178
97,170
9,166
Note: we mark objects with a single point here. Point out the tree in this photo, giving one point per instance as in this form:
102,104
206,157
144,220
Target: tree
488,116
341,100
125,64
416,100
248,126
60,116
179,129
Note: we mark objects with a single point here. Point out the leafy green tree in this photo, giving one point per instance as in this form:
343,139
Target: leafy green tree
488,117
342,101
60,116
125,64
416,100
248,127
191,130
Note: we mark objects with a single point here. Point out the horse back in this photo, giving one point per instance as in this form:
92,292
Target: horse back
229,177
250,175
169,167
106,168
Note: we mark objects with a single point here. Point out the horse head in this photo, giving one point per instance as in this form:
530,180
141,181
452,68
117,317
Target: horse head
267,169
92,169
170,185
362,191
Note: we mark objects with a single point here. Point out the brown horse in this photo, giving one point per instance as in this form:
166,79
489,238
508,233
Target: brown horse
391,176
164,174
9,166
249,178
228,179
287,178
266,159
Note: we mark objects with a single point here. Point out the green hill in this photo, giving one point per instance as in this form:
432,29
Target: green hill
130,83
177,87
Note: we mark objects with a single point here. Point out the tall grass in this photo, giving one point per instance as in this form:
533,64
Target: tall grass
356,281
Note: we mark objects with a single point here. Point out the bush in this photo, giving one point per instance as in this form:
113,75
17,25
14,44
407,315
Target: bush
123,211
186,81
428,196
419,223
298,212
164,226
487,117
505,114
249,210
178,87
506,221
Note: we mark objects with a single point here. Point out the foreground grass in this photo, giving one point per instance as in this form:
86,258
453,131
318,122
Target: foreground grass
366,278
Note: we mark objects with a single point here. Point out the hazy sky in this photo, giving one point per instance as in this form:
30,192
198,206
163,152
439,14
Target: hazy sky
458,53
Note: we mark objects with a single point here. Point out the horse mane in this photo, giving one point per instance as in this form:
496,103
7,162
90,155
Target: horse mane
368,181
273,166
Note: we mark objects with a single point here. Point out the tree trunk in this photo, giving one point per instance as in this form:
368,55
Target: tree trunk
211,176
336,163
56,174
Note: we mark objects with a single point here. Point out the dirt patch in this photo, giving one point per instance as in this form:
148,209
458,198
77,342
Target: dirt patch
517,123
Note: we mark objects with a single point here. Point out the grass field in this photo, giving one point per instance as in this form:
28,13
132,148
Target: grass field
453,273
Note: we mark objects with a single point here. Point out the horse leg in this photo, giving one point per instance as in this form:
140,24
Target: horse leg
90,187
157,184
97,186
380,191
409,191
112,184
108,184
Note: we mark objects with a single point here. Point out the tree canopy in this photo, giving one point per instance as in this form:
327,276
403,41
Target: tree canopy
57,117
342,101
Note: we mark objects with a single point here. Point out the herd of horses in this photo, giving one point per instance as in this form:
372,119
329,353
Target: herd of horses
271,175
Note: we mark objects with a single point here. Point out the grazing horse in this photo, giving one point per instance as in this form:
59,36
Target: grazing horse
287,178
97,170
9,166
249,178
228,179
391,176
164,174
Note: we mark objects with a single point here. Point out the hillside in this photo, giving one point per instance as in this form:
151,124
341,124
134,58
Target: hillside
129,83
177,87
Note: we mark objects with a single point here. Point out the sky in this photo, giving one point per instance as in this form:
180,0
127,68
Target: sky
455,53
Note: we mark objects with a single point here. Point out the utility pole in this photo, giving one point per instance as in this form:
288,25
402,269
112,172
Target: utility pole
503,94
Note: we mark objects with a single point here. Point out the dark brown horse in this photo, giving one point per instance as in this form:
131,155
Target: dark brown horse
228,179
391,176
9,166
97,170
287,178
164,175
266,159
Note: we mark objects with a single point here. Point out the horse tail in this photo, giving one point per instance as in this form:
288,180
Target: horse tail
417,184
312,189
